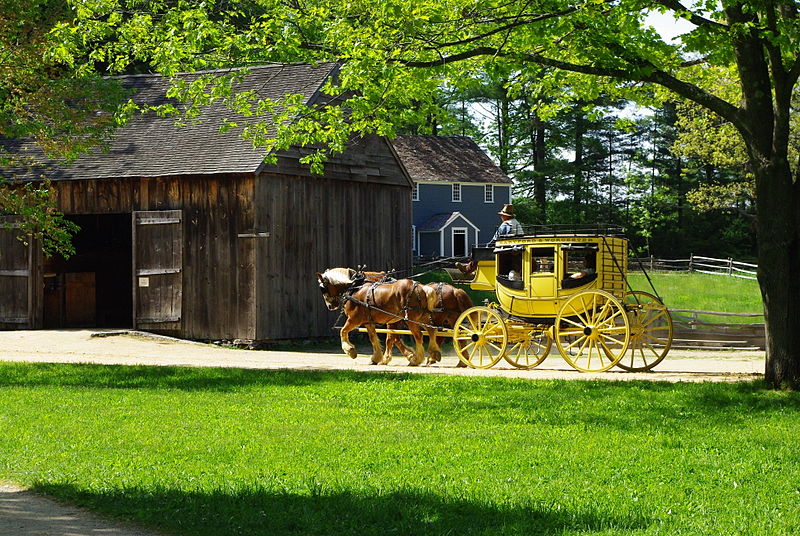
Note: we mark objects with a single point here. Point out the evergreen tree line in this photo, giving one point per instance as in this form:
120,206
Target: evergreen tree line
648,170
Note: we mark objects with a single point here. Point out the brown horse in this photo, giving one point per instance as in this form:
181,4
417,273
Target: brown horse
379,303
450,303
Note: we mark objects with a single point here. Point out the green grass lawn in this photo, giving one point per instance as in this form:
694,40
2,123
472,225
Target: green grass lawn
240,452
703,292
696,291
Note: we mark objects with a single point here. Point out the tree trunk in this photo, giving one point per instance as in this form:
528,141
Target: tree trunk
778,198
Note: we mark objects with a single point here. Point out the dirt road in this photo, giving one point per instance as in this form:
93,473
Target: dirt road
83,346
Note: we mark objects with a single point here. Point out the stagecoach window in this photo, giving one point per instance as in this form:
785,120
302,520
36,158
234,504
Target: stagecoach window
579,259
509,261
543,260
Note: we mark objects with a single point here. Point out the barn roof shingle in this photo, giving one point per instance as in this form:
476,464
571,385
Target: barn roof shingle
447,159
153,146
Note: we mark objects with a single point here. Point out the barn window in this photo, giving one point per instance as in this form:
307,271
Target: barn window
456,193
415,192
488,194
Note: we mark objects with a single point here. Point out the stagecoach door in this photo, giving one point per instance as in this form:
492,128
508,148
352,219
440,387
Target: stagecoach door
17,266
543,276
157,269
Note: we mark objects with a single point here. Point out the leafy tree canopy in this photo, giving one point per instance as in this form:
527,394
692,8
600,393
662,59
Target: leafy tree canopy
397,53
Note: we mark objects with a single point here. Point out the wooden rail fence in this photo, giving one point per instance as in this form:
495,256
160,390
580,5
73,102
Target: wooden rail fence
693,329
697,263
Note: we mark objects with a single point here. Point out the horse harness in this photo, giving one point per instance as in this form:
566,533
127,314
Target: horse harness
370,297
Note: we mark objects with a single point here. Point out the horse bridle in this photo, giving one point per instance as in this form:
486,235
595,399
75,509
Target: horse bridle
339,299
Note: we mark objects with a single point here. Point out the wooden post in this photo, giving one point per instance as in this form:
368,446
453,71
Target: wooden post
691,256
730,266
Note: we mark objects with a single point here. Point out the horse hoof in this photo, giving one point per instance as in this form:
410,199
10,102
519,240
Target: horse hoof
352,353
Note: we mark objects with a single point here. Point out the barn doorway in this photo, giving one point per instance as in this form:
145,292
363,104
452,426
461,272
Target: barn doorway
93,288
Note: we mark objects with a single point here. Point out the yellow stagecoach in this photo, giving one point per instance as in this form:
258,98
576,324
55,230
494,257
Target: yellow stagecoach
567,286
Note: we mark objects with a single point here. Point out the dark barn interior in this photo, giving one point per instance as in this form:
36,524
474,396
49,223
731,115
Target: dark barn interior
93,288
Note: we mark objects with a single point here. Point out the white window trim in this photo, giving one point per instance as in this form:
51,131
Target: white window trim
465,232
415,192
488,189
456,187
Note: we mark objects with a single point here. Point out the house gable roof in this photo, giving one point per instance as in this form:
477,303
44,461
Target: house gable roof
438,222
447,159
153,146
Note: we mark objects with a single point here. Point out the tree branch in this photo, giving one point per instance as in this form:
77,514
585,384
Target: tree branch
694,18
645,73
517,21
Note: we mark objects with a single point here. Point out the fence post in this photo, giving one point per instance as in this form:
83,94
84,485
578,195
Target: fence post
730,266
652,263
691,256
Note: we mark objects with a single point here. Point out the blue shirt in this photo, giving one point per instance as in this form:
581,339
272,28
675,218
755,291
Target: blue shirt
507,228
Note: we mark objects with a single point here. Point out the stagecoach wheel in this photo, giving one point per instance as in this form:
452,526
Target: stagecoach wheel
592,331
480,337
651,332
528,347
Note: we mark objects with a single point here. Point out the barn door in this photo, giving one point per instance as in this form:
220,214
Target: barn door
16,277
157,270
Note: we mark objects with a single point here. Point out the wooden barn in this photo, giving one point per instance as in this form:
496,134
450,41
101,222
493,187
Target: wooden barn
186,231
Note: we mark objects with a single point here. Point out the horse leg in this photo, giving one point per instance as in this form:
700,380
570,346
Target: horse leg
344,335
434,350
398,341
419,348
377,350
391,340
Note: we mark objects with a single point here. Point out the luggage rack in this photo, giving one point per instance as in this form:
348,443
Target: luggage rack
567,229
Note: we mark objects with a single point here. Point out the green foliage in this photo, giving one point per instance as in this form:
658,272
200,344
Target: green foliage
64,112
226,452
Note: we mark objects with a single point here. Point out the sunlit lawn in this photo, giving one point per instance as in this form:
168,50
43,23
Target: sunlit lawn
703,291
240,452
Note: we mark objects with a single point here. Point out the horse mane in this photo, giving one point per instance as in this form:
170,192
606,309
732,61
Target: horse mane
339,276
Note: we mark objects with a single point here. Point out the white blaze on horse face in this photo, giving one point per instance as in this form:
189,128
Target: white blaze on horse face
332,282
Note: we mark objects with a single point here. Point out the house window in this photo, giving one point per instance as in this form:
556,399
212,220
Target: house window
415,192
488,194
456,193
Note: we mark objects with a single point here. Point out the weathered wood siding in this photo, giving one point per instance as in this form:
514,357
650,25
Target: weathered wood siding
218,296
20,303
358,213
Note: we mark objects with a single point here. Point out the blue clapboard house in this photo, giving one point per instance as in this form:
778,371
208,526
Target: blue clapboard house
457,193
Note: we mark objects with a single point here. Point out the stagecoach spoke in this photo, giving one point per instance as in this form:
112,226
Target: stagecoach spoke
643,355
601,314
577,341
614,341
493,345
649,347
583,319
568,321
653,318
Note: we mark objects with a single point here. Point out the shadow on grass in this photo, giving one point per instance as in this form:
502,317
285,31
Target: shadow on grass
181,378
619,405
320,512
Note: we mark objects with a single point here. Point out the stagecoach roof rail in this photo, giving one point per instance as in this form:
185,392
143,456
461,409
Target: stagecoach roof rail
599,229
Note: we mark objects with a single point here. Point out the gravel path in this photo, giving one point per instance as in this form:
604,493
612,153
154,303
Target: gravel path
23,513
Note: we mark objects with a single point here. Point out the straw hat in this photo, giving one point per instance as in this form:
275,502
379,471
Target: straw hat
508,210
